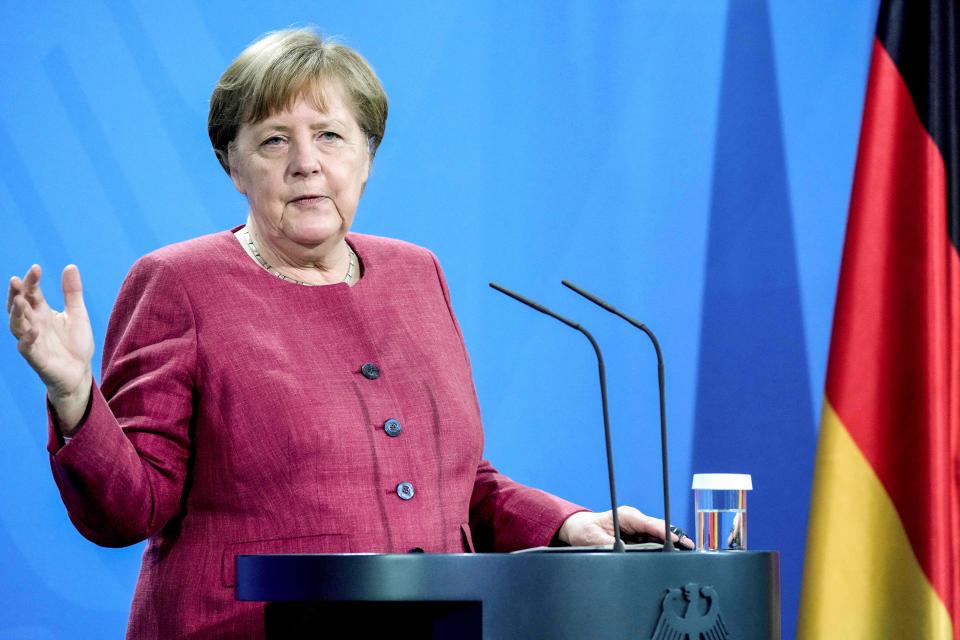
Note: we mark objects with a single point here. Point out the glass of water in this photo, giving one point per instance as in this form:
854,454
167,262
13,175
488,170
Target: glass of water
720,505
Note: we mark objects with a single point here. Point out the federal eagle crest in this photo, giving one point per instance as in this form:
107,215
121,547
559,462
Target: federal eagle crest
690,613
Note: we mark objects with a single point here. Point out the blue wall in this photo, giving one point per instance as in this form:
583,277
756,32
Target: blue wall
690,161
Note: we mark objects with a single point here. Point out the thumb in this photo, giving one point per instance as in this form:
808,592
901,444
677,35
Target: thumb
72,290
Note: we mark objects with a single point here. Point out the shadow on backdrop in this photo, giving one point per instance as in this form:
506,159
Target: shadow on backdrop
753,412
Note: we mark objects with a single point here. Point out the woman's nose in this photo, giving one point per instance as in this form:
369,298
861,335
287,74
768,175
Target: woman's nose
305,160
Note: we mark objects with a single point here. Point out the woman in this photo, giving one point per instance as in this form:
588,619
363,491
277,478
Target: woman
284,386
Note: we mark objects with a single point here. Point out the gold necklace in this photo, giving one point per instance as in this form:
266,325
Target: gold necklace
266,265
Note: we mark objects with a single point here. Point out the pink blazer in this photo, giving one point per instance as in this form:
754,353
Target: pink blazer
238,413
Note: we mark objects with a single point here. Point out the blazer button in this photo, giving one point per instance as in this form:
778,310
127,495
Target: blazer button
392,427
370,371
405,490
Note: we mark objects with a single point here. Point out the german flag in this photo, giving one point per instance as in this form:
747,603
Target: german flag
883,543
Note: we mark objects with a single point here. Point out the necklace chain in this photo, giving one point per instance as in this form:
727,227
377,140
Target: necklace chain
351,267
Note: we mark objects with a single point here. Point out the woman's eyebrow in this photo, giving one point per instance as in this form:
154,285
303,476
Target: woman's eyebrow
316,124
274,126
326,123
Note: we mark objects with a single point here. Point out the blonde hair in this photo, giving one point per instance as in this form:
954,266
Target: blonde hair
274,71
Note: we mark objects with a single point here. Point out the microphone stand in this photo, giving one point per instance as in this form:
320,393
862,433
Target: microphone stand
617,540
667,538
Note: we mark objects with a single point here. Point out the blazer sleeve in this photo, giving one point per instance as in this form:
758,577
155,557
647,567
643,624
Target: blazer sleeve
506,515
121,476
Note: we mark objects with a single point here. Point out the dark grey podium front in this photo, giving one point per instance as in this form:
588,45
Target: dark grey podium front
503,596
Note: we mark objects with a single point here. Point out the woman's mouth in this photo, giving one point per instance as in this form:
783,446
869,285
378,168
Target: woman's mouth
308,201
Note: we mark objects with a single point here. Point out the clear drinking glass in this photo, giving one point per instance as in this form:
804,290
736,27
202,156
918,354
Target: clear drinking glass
720,505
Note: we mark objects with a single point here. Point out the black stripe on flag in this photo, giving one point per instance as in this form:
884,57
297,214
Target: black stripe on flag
921,37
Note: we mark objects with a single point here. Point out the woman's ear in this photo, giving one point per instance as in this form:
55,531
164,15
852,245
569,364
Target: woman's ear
367,170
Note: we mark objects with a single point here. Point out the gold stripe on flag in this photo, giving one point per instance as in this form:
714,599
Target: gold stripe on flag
861,577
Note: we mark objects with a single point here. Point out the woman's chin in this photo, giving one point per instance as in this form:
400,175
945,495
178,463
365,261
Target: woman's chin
315,235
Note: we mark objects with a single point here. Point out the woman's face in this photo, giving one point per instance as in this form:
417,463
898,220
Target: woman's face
303,170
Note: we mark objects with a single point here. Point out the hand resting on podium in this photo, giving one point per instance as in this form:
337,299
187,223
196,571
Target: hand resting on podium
586,528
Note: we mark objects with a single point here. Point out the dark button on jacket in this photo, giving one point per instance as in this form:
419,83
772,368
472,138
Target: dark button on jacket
370,371
405,490
392,427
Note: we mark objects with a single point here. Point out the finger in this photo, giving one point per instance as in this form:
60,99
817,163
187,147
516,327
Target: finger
682,538
20,325
16,285
72,290
635,521
31,286
16,315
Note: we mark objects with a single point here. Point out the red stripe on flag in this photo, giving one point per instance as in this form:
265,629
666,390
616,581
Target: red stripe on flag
892,375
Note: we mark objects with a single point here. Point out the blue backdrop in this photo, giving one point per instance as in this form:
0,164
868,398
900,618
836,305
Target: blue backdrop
690,161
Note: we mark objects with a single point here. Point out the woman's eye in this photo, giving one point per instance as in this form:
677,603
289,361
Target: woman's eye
330,136
273,141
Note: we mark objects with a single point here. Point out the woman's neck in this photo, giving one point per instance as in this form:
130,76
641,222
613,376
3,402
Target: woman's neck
332,262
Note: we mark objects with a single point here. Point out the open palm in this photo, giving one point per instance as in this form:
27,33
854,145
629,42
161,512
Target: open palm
58,345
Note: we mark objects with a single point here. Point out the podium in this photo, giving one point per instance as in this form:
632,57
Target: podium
552,595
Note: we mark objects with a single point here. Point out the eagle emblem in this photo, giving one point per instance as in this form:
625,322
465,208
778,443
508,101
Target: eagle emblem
690,613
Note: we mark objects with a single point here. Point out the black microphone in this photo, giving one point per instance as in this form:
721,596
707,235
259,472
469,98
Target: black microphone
667,538
617,540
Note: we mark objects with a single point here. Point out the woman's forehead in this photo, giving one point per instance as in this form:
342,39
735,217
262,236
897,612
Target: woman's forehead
325,95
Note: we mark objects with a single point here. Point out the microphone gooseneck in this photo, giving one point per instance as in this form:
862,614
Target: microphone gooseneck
617,540
667,539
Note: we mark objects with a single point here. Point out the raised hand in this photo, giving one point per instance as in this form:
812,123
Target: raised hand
58,345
